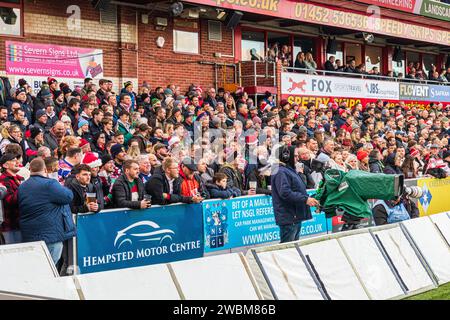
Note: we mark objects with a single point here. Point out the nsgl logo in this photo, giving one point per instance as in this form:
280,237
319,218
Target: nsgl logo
142,231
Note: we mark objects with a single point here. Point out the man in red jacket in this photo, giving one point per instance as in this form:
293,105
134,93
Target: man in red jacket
10,166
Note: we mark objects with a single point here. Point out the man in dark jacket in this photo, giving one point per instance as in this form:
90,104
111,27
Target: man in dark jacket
329,64
234,170
290,200
400,209
53,137
165,185
128,190
80,184
44,210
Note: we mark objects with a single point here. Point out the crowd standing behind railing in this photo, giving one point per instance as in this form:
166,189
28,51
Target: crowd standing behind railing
304,62
76,150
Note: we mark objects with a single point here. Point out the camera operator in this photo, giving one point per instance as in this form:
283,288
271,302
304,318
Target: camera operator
392,211
290,200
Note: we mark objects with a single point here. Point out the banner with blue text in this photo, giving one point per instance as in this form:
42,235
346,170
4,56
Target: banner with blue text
132,238
247,221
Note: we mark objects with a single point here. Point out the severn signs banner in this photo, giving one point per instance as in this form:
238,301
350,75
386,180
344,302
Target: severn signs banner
43,60
314,13
123,239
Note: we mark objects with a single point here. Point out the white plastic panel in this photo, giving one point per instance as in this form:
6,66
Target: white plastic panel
142,283
334,270
26,261
442,221
431,245
222,277
404,259
288,275
54,288
371,266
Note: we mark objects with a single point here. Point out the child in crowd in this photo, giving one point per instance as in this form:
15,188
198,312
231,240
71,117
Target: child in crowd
218,188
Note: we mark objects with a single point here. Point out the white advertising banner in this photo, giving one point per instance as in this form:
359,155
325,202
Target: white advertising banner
36,82
288,275
327,86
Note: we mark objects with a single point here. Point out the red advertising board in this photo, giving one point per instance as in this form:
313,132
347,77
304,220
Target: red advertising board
313,13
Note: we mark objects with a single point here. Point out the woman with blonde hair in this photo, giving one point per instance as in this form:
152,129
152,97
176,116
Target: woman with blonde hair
310,64
12,134
133,150
336,161
67,143
351,162
356,135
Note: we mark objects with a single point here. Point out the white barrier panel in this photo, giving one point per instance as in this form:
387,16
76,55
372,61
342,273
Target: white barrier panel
442,222
223,277
336,273
431,245
142,283
288,275
54,288
26,261
405,260
372,268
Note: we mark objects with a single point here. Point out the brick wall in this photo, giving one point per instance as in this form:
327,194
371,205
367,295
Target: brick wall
161,66
130,51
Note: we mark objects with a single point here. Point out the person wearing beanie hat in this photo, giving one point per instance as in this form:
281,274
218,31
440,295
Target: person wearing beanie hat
20,90
168,92
22,82
45,92
82,122
34,142
363,158
128,84
118,154
41,119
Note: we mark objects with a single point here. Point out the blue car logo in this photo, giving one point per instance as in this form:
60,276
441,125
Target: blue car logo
142,231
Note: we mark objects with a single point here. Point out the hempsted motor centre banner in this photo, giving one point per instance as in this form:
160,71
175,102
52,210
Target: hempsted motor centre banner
131,238
321,14
44,60
247,221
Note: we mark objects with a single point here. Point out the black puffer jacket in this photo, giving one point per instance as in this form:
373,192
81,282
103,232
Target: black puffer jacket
121,193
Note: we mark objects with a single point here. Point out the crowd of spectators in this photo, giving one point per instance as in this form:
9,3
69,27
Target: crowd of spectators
304,63
84,149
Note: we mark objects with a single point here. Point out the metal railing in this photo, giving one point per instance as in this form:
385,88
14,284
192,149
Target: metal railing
362,76
255,70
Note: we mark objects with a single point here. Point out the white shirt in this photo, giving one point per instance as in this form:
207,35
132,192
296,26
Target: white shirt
170,184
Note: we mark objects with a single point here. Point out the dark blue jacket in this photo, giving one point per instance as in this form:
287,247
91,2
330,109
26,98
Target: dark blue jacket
44,210
217,192
289,196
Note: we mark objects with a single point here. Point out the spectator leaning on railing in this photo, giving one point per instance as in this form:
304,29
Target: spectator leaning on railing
128,190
